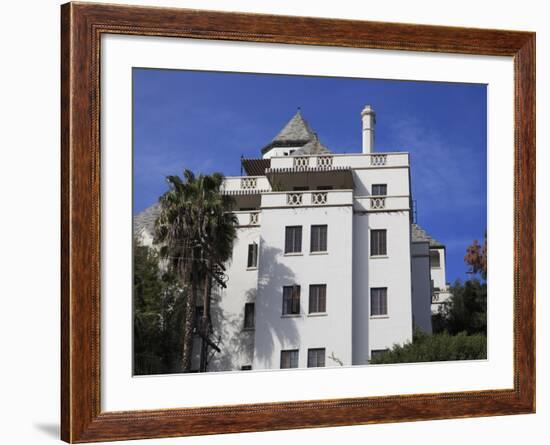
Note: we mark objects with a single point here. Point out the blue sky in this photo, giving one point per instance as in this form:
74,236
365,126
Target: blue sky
205,121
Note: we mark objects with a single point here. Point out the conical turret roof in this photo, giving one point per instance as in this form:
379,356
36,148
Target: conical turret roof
297,133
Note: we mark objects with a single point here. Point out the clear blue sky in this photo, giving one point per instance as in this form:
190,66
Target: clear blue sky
205,121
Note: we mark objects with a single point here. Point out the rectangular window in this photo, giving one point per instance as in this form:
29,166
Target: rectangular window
252,255
249,316
317,298
379,301
289,359
293,239
378,242
379,189
246,368
291,300
301,189
434,259
377,353
319,238
325,187
316,358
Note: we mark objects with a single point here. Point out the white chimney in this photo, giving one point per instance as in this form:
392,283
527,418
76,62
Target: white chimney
368,118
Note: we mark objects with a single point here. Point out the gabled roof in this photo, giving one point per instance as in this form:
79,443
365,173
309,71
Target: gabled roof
297,133
419,235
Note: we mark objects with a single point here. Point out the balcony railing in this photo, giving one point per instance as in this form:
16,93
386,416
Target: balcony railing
245,184
381,203
307,199
249,183
355,160
378,203
247,218
300,162
294,199
319,198
378,159
254,218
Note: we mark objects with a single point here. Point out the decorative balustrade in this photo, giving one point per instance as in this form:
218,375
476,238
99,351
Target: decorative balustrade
301,162
324,161
319,198
307,199
249,183
336,160
254,218
378,159
294,199
377,203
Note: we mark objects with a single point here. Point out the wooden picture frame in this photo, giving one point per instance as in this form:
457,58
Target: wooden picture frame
82,25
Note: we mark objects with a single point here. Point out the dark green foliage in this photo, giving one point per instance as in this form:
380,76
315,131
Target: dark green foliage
466,311
437,347
158,311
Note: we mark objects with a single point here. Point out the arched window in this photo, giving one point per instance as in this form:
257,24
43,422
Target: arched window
434,259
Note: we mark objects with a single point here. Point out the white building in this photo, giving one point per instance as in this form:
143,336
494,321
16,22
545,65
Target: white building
327,268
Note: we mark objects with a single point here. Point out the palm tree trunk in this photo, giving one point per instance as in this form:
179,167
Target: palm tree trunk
205,322
189,323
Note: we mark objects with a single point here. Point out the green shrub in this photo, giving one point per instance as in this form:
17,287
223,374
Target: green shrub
437,347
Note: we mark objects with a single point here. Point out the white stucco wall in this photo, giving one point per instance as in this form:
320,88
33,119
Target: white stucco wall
397,180
333,330
392,271
279,151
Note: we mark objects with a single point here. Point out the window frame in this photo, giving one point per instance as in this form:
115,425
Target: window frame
247,317
295,297
377,245
252,256
434,252
378,305
377,352
317,351
295,239
291,352
317,299
385,186
319,238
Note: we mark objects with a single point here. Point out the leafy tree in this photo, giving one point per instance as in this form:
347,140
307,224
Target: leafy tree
157,300
196,230
437,347
476,258
467,310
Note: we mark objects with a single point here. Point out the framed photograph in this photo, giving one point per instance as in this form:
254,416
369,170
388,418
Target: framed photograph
274,222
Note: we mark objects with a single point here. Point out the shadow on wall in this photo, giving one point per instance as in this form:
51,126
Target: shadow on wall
239,346
271,329
236,343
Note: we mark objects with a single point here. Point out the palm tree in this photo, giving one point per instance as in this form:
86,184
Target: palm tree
196,231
